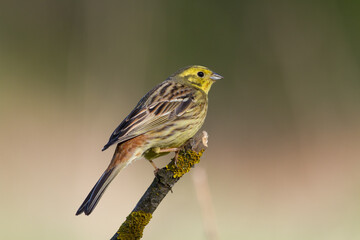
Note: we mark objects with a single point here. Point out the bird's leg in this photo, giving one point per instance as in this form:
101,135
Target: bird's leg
158,150
176,158
176,150
168,150
156,168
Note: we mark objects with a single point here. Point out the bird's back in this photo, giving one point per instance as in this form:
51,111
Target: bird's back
181,127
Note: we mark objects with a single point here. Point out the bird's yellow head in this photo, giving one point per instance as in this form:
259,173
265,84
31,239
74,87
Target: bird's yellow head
197,76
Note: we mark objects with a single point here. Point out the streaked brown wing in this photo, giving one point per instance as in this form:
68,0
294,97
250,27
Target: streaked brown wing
166,102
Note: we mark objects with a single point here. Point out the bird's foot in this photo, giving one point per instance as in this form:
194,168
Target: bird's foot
176,158
156,168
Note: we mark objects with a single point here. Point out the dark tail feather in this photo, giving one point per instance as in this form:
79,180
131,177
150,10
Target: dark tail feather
98,190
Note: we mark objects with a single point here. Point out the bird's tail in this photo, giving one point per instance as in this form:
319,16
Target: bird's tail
98,190
124,154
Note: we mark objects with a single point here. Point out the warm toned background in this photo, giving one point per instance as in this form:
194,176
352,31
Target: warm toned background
284,124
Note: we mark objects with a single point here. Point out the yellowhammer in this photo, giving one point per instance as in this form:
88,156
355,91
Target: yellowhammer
163,120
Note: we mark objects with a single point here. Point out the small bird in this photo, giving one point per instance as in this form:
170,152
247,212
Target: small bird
163,120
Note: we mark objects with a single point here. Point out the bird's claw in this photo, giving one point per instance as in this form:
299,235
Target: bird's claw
156,171
176,158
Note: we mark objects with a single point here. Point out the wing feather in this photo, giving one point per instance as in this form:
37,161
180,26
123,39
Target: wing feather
165,102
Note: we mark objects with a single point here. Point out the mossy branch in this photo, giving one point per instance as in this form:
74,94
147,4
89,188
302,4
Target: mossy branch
165,179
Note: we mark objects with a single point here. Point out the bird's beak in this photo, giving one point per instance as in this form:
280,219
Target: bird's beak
216,76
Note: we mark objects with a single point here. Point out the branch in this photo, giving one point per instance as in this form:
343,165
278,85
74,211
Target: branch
164,180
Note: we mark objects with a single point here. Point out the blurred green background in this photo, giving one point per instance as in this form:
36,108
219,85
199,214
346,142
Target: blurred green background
284,123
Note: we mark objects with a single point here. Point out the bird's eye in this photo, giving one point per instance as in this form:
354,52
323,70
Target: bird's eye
200,74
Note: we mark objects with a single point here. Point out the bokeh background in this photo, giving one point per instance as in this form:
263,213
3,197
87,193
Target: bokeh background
284,123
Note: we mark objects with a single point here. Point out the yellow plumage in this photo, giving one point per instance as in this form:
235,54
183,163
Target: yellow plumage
163,120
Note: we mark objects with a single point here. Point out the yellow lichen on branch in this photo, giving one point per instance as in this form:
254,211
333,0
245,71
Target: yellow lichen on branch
186,160
163,182
134,226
